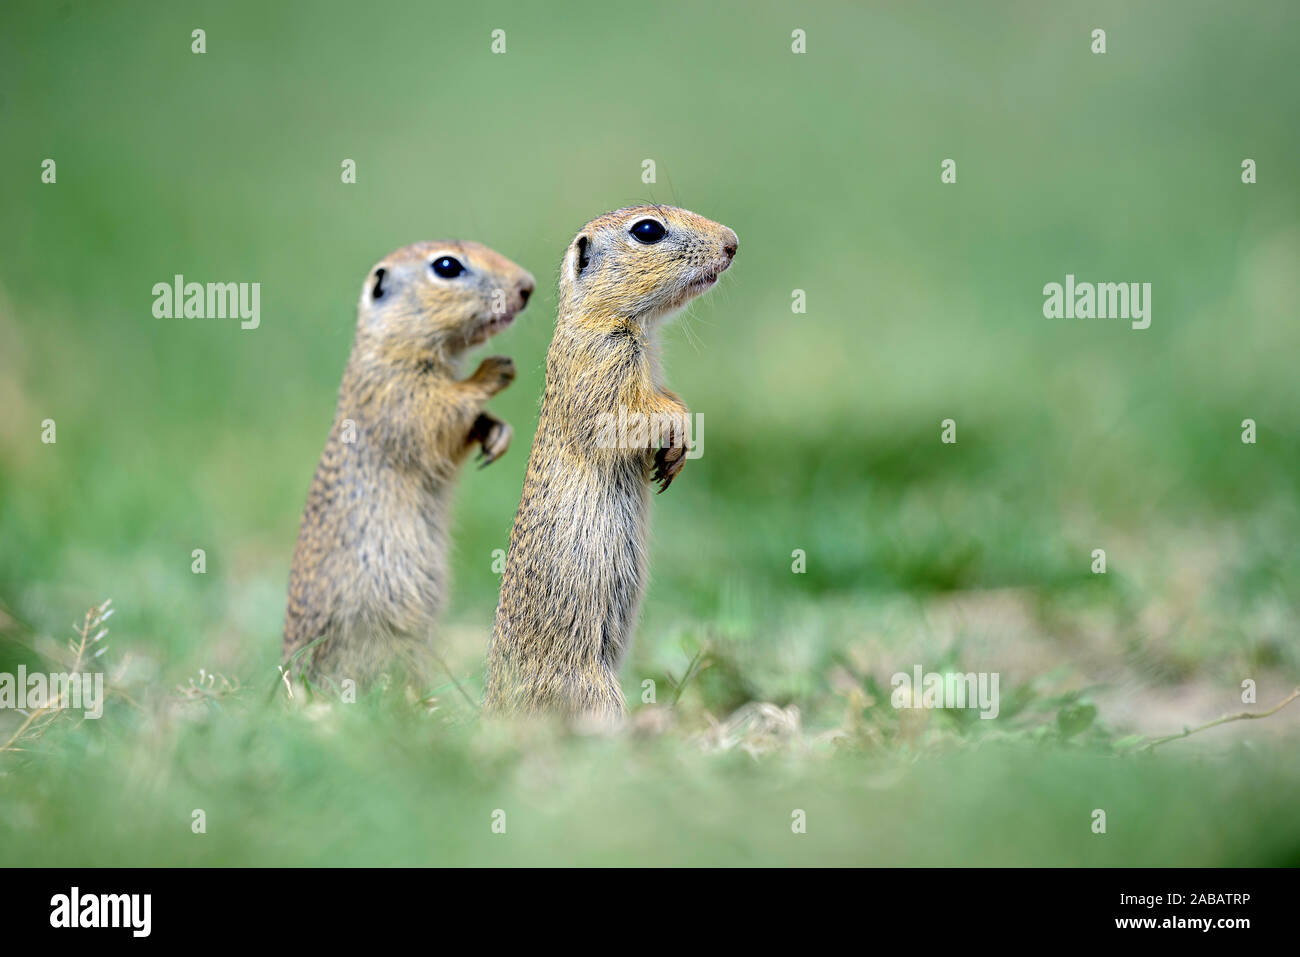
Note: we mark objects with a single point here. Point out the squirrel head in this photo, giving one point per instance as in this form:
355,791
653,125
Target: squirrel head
436,299
641,263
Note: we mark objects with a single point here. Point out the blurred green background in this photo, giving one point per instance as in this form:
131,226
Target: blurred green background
924,302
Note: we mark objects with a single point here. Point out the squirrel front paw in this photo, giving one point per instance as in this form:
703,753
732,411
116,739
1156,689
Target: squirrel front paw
671,457
495,373
493,435
668,462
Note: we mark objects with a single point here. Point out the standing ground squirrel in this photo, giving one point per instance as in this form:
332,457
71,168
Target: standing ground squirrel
370,568
576,569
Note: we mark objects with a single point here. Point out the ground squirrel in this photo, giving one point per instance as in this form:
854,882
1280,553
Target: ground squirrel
575,571
370,568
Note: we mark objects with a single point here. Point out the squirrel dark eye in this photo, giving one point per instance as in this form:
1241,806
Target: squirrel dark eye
378,291
447,268
648,231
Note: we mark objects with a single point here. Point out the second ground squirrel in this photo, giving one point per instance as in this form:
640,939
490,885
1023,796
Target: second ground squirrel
576,568
370,569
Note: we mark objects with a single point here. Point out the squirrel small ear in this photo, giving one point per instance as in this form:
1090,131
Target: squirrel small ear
377,291
583,258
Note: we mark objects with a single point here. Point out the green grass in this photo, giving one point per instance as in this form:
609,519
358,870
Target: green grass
821,429
360,786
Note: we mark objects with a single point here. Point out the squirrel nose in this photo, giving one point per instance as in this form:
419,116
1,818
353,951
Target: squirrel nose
731,245
526,288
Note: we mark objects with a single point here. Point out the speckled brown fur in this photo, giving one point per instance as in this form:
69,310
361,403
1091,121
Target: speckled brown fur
576,568
370,569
